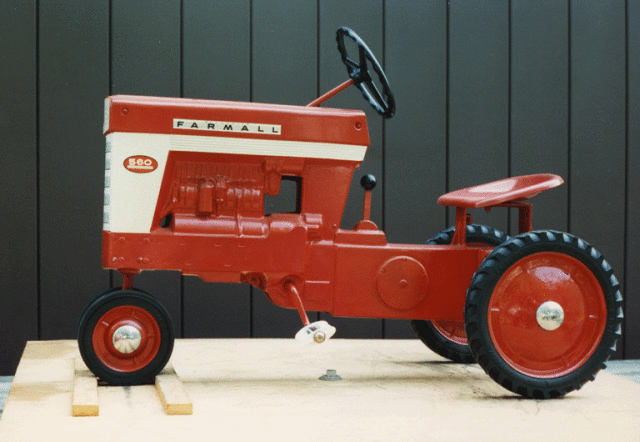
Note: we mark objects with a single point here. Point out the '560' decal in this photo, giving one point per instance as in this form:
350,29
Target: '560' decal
140,164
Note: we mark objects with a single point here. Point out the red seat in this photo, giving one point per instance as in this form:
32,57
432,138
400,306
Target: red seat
517,188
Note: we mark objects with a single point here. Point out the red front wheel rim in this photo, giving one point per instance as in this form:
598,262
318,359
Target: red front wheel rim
516,331
451,330
130,316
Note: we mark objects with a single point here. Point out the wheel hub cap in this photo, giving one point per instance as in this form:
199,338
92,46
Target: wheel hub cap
550,315
540,292
126,339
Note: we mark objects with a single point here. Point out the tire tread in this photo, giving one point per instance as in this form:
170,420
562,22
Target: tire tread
482,285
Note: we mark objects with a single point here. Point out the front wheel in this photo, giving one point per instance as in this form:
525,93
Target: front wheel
125,337
543,313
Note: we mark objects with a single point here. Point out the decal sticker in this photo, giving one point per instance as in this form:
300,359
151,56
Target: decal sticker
227,126
140,164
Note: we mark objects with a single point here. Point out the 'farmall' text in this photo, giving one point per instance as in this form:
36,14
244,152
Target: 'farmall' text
226,126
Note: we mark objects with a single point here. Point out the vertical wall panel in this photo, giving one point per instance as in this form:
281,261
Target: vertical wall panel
217,65
598,127
478,97
284,70
18,181
415,139
284,52
366,19
73,83
145,51
551,87
540,103
632,286
217,50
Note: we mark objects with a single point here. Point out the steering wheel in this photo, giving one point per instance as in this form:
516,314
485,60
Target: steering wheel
384,103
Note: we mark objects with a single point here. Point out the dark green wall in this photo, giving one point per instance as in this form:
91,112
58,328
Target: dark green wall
484,89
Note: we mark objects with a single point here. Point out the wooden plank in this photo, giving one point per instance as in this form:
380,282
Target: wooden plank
540,103
85,391
18,181
145,60
415,139
85,396
73,82
478,98
597,184
366,19
284,70
216,65
280,397
632,273
174,397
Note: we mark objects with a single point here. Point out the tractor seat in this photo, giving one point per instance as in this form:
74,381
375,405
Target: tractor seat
517,188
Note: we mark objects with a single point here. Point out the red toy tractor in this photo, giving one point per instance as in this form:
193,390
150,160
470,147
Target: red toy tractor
185,188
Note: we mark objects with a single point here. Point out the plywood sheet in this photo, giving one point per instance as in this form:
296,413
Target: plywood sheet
270,390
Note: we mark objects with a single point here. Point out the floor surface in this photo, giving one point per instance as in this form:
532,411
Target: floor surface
628,369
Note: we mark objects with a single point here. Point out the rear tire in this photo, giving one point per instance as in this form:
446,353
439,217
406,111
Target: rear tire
448,338
543,314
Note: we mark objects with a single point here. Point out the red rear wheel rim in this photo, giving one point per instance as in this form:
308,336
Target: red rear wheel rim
512,323
451,330
132,316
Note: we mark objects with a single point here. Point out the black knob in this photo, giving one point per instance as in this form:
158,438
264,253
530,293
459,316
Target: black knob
368,182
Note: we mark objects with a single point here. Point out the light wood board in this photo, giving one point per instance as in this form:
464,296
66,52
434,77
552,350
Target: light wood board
270,390
85,391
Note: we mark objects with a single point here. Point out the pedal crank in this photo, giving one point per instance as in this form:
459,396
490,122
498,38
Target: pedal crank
319,331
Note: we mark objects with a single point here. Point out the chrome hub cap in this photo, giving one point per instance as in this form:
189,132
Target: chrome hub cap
550,315
126,339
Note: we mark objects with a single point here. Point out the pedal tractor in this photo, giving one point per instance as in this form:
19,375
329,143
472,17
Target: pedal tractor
185,188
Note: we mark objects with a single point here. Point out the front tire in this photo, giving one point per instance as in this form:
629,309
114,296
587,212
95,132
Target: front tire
125,337
543,314
444,337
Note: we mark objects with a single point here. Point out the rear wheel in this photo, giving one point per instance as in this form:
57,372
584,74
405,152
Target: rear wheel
444,337
125,337
543,314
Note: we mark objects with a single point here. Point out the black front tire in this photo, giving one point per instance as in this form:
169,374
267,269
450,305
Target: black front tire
125,310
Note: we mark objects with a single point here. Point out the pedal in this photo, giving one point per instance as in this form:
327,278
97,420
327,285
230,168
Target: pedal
318,332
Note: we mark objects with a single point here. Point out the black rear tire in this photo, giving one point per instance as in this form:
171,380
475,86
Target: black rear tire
543,314
448,338
445,338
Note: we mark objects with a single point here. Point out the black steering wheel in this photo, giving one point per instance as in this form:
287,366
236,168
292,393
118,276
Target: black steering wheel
383,103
